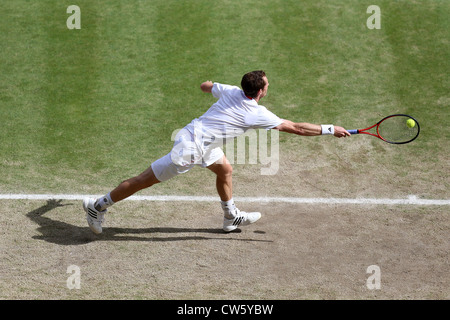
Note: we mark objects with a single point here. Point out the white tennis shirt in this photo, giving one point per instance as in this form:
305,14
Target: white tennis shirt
231,116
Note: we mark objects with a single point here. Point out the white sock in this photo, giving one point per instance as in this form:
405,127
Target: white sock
103,202
229,208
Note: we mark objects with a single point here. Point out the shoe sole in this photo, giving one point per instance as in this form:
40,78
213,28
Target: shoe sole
232,228
92,227
87,218
229,229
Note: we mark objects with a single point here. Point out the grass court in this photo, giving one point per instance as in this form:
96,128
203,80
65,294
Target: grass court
82,110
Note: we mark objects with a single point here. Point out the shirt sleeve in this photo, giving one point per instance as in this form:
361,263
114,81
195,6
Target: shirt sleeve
219,89
266,119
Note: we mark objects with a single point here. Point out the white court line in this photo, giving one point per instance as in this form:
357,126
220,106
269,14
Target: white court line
410,200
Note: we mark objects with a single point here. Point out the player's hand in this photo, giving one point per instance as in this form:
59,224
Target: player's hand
341,132
207,86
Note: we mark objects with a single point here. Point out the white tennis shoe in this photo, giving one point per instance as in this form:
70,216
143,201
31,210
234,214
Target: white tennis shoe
242,218
94,217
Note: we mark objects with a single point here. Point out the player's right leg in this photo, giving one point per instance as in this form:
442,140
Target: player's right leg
233,217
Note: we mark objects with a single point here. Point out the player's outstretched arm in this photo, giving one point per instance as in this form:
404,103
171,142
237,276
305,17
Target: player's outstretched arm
308,129
206,86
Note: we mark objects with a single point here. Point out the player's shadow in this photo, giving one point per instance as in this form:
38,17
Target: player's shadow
63,233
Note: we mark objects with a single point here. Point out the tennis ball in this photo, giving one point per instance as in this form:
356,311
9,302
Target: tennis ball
410,123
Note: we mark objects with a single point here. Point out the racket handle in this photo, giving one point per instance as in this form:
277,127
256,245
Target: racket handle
355,131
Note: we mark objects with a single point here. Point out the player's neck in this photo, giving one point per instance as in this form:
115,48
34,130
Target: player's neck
258,97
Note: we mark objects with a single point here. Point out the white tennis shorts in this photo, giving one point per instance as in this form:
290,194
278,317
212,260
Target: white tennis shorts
187,152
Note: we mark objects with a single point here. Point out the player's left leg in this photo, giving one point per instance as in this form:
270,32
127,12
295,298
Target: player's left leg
129,187
161,170
96,208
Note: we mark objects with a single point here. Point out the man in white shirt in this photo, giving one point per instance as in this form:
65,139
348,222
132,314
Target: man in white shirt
199,144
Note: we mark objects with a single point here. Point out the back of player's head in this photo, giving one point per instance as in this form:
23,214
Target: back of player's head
252,82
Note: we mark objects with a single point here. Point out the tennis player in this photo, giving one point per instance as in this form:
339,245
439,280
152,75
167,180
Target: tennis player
200,144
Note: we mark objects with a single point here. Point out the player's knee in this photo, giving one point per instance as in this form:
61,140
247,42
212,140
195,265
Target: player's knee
226,172
137,183
147,179
229,170
142,182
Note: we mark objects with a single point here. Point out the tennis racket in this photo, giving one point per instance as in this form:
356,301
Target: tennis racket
396,129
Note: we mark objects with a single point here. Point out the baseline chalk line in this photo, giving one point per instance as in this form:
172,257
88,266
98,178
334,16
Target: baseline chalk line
410,200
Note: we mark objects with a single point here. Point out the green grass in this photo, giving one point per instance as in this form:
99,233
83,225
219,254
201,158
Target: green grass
86,108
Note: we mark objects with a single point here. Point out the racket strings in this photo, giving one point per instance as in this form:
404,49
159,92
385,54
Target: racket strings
396,130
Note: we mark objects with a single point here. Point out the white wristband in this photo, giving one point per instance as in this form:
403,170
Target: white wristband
327,129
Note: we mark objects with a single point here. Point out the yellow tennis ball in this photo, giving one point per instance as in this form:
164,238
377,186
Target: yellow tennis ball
410,123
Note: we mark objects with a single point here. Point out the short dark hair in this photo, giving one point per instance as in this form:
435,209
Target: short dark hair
252,82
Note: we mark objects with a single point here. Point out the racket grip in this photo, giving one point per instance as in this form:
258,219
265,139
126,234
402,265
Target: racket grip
355,131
